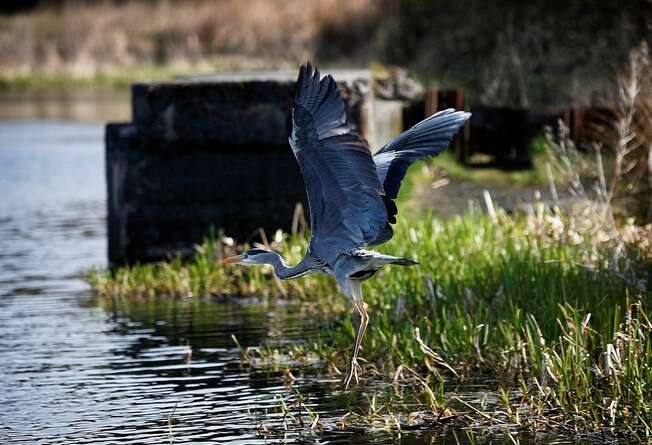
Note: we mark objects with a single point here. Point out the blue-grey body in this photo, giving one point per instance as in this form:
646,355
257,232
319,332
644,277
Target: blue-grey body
350,192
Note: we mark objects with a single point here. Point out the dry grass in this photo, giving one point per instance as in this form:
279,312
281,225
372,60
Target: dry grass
522,54
627,137
614,171
83,39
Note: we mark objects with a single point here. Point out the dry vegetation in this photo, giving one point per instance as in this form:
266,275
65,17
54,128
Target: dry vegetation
620,159
632,133
82,38
536,53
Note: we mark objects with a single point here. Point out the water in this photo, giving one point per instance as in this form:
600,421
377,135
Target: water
74,371
76,106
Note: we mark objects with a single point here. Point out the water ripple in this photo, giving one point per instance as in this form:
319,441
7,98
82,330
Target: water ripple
127,373
77,373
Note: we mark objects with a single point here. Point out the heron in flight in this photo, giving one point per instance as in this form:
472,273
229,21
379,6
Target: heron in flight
350,192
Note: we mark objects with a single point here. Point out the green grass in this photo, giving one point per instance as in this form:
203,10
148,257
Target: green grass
538,302
106,80
495,176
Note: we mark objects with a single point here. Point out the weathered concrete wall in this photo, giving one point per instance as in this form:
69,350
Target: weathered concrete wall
165,198
237,108
208,152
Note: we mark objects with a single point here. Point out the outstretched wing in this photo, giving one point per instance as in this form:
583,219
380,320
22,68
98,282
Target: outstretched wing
427,138
344,192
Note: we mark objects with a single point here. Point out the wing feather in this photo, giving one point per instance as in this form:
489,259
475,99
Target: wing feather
427,138
345,194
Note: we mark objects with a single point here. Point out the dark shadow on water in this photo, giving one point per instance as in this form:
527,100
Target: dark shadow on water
75,106
189,350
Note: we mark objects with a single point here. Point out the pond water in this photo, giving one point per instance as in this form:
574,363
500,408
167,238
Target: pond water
74,371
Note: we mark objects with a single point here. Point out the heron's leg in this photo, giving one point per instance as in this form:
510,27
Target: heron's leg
354,368
362,328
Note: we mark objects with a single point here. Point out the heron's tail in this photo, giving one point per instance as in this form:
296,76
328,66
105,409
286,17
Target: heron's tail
404,262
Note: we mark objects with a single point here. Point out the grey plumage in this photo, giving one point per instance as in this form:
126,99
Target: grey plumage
344,192
350,192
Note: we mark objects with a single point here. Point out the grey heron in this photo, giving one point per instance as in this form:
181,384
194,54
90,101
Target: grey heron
350,192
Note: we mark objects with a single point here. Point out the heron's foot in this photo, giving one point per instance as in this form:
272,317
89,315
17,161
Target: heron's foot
354,371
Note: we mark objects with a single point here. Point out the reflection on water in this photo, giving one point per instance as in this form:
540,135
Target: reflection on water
78,106
73,372
78,375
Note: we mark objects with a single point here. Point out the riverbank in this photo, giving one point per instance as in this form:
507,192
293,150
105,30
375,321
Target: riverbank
539,303
121,78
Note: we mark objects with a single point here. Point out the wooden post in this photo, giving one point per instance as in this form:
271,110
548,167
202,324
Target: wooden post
431,102
461,138
436,100
577,130
455,99
566,118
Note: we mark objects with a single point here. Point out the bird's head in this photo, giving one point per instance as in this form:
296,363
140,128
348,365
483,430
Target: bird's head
253,256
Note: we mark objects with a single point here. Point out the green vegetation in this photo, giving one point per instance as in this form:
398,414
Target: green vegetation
552,305
489,176
105,80
55,82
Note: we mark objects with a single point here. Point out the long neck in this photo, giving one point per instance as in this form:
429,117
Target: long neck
285,272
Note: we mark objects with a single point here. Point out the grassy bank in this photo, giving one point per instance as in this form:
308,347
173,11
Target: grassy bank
108,80
541,302
125,41
481,170
121,78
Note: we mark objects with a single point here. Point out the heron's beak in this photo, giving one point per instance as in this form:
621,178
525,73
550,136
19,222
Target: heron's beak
233,260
